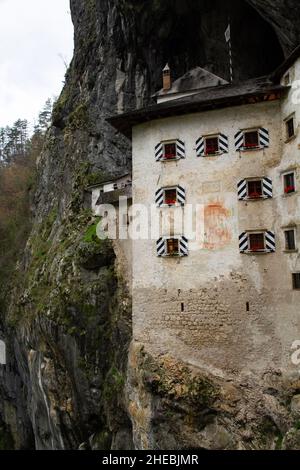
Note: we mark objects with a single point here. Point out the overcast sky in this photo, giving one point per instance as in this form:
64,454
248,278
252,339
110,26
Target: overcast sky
34,34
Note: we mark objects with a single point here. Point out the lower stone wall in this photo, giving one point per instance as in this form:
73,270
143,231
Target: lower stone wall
228,324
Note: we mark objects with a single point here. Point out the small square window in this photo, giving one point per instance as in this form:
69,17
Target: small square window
296,281
255,189
290,239
257,241
251,139
172,246
211,145
170,151
289,183
290,128
170,196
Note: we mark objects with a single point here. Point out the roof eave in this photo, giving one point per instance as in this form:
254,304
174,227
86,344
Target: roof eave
102,183
125,122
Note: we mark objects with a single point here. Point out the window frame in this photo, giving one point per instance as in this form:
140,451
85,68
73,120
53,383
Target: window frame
165,204
290,229
286,122
173,237
248,131
214,136
269,240
295,282
255,180
170,142
258,232
284,175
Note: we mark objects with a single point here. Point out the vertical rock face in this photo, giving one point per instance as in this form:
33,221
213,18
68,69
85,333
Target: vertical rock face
68,328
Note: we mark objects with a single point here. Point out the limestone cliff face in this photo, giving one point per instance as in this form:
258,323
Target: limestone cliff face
67,325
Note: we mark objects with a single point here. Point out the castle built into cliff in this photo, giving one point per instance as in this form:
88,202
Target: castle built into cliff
228,300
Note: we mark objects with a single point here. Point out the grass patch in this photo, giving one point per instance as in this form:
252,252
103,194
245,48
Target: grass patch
90,235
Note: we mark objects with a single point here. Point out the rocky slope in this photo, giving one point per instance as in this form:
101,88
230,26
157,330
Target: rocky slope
67,325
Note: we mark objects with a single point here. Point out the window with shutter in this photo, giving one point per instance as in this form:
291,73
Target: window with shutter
170,196
255,188
166,151
252,139
257,242
172,246
212,145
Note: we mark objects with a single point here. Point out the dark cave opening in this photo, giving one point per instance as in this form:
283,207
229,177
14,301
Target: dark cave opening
187,33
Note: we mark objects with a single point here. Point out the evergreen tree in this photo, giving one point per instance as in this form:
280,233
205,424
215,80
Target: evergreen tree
18,153
15,141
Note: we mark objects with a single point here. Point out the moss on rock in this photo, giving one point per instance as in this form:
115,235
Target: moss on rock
172,379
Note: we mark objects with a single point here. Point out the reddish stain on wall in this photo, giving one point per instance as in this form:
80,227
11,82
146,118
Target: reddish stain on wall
216,226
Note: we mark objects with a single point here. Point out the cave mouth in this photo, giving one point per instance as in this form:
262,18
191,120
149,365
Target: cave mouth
189,33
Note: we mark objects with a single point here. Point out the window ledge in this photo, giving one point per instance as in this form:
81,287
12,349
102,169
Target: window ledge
246,199
216,154
262,252
249,149
177,204
175,159
290,139
289,194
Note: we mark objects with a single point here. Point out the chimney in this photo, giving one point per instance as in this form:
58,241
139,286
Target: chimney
167,82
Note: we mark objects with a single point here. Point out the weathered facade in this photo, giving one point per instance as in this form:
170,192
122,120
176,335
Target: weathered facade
227,302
